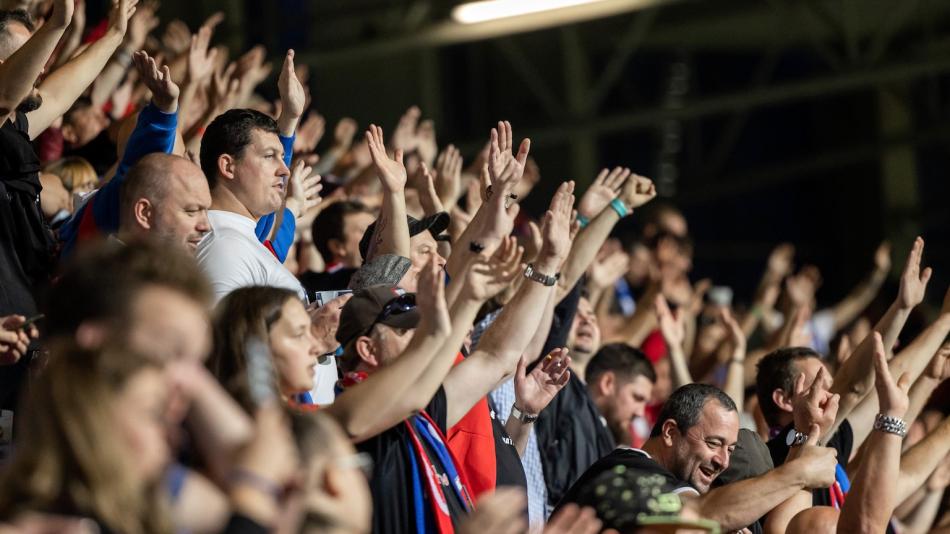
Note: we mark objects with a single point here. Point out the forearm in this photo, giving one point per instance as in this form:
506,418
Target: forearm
919,395
778,519
870,503
919,462
921,518
739,504
852,305
219,425
287,122
891,324
681,375
384,399
585,247
735,382
111,76
67,83
430,201
392,231
461,252
19,72
536,345
518,432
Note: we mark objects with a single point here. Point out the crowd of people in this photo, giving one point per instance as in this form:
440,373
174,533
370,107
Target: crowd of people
213,319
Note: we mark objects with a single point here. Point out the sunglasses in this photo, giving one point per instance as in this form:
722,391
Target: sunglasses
396,306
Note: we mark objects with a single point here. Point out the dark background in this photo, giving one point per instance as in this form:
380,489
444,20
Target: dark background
823,123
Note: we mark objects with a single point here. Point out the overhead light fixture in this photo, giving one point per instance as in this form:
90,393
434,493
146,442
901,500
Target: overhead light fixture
486,10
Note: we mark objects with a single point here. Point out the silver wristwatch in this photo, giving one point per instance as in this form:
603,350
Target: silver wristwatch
795,438
526,418
891,425
543,279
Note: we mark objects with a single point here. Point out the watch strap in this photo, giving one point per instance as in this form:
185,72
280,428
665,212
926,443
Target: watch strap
519,414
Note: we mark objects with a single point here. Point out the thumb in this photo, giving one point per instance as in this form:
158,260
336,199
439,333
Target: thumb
522,368
289,61
814,432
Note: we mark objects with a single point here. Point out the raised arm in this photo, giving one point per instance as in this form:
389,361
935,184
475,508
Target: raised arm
734,385
673,331
858,299
913,360
19,72
293,98
535,390
620,190
506,339
140,25
920,461
392,231
66,84
870,503
383,399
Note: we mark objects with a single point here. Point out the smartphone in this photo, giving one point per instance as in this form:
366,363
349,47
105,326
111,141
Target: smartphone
261,377
319,298
720,296
30,321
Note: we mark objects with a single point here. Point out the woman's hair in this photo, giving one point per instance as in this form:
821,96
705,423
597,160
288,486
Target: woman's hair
70,458
72,171
245,313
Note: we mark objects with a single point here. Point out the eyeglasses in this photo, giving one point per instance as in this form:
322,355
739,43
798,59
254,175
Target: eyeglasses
397,306
360,460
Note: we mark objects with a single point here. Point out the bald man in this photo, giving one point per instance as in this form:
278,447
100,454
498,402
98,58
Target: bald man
165,197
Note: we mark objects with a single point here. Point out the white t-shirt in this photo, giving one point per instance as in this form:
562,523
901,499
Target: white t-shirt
232,257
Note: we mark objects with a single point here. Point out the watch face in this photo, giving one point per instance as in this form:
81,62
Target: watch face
790,437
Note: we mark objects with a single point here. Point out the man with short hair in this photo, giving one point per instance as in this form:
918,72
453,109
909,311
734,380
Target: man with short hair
690,446
336,233
584,337
165,197
620,381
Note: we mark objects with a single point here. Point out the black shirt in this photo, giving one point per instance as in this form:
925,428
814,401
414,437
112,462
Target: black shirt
571,437
842,442
26,243
508,468
391,485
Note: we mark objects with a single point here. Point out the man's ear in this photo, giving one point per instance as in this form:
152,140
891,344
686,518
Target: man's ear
366,350
69,133
668,431
226,163
606,384
142,213
782,400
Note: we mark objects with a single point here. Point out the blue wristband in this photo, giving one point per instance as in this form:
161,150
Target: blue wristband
619,207
583,221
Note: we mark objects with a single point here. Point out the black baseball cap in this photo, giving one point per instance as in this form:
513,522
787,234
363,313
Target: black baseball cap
386,305
435,224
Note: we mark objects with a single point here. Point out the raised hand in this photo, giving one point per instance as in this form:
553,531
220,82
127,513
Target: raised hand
141,24
344,132
119,15
605,272
430,299
671,326
505,168
801,287
535,390
303,193
63,12
488,277
201,60
325,320
814,404
224,90
736,334
448,175
252,68
404,135
293,98
392,172
605,188
309,133
637,191
882,258
158,80
556,227
176,38
780,262
425,142
913,280
892,396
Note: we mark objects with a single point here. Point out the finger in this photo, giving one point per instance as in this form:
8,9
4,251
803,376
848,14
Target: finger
904,382
521,371
799,384
880,360
814,434
601,177
523,151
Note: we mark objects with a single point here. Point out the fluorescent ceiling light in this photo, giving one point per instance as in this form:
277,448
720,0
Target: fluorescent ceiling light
486,10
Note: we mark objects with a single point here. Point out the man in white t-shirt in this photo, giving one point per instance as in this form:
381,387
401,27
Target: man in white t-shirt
243,156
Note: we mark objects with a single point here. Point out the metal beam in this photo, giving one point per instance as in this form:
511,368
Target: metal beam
639,26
